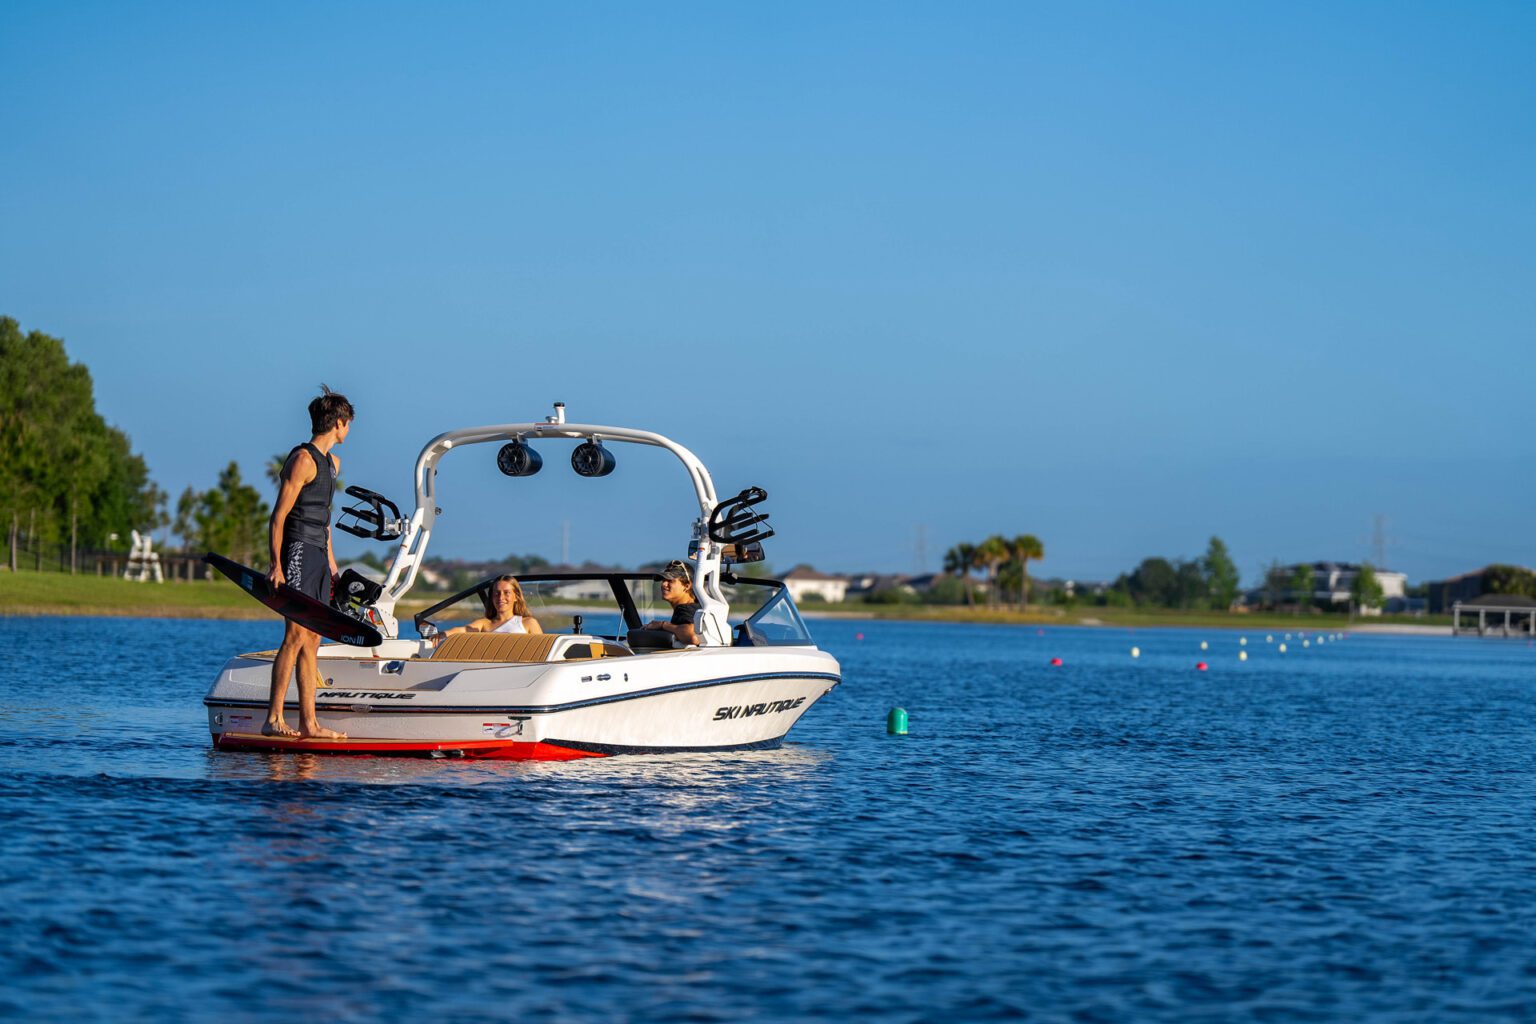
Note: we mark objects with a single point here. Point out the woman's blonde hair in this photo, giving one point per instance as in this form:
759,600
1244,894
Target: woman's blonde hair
519,603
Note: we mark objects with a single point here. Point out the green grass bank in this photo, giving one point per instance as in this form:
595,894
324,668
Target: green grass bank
56,593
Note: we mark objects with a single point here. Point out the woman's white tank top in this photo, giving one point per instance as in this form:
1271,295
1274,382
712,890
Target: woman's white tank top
512,625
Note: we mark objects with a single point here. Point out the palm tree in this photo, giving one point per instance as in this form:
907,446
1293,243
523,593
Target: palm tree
275,468
1026,546
958,561
991,554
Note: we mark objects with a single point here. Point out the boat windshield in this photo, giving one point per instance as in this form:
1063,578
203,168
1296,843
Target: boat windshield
611,604
778,622
554,602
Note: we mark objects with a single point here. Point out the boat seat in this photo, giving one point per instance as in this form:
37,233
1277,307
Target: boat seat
496,647
649,640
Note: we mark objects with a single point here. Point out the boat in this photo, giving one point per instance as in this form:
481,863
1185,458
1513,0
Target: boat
613,688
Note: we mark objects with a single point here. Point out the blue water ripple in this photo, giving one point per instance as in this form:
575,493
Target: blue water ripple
1340,832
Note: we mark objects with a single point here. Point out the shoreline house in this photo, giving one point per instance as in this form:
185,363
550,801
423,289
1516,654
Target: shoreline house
578,590
1331,583
803,581
864,586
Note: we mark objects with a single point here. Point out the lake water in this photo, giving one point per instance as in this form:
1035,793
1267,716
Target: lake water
1341,832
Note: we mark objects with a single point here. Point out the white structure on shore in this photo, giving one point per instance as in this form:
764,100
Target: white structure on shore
802,581
143,560
1331,583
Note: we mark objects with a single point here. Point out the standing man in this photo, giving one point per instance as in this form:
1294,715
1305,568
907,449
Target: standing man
302,558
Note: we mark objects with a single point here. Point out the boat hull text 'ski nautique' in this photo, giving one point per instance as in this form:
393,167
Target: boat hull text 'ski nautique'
553,695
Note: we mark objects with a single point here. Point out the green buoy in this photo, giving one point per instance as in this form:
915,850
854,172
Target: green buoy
896,722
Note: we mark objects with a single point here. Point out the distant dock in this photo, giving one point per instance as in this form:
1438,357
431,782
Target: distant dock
1509,615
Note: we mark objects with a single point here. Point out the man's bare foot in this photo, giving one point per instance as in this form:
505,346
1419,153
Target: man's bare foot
279,728
319,732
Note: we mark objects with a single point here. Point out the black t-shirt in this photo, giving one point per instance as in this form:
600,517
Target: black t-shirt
682,614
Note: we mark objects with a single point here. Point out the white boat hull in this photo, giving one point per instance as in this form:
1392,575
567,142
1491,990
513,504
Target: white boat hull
688,700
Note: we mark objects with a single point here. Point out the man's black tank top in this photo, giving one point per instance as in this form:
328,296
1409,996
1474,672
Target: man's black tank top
310,518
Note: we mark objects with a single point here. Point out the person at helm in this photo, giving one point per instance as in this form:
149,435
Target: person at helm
677,591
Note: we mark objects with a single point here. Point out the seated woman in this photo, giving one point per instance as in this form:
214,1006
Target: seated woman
677,590
509,613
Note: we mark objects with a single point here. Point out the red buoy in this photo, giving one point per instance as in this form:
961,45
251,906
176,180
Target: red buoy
858,636
1056,661
1200,666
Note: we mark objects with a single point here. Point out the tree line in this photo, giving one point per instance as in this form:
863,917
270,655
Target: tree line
1210,581
231,517
70,482
1509,579
67,477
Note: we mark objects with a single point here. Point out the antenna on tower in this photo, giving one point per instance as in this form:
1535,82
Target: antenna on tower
1379,541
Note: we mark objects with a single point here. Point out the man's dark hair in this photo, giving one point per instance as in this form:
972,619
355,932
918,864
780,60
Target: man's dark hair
328,410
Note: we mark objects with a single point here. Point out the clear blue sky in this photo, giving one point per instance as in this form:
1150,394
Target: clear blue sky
1121,275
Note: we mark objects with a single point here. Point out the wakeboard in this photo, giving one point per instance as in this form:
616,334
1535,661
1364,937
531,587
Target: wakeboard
331,623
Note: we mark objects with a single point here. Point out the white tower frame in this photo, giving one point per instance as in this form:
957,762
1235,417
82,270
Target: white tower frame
712,622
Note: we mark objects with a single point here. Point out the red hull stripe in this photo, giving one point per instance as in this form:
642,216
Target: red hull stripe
498,750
